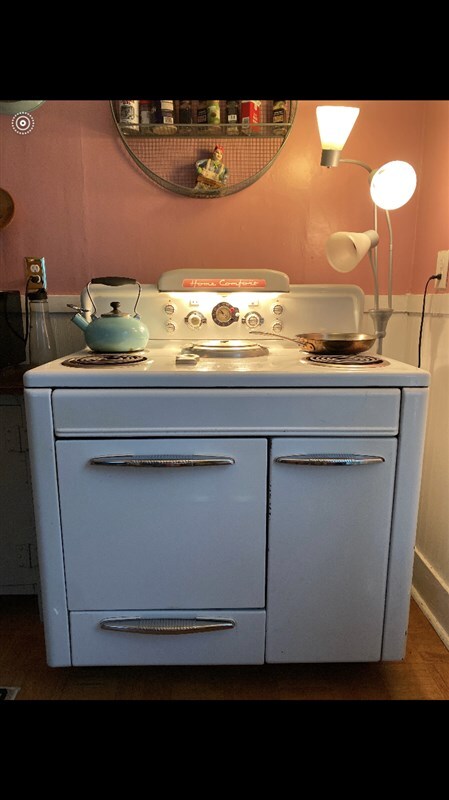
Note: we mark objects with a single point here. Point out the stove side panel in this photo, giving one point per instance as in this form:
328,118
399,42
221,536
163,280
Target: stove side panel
39,414
405,514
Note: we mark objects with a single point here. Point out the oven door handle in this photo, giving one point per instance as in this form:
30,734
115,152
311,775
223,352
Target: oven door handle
330,460
166,625
162,461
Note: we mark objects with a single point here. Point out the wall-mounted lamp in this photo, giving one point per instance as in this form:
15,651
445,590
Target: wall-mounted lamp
391,186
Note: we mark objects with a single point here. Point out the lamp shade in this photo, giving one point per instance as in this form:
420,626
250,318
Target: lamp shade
345,250
393,184
335,123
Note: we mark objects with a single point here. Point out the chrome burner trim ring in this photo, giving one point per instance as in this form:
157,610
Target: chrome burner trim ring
227,349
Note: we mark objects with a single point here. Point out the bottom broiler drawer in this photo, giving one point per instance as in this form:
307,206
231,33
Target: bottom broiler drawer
102,638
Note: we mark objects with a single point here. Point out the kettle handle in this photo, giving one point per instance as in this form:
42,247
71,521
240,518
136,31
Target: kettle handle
114,281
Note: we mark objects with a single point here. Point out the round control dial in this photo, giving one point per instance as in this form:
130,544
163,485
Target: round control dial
195,319
224,314
253,319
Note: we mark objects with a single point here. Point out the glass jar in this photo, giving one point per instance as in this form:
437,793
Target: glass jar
42,344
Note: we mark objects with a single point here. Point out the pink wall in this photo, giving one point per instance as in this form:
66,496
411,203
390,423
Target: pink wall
432,230
83,204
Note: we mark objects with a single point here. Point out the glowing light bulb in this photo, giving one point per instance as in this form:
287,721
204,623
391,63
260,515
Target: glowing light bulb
393,184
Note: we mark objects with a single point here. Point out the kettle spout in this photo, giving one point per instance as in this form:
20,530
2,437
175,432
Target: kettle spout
80,321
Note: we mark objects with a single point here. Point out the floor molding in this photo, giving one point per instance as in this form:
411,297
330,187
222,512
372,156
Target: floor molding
432,596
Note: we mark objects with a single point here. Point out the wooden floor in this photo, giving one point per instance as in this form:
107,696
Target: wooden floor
424,675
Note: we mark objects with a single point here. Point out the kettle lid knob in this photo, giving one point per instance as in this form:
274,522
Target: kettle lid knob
115,311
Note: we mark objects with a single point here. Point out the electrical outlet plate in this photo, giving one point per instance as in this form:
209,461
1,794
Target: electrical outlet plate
35,274
442,266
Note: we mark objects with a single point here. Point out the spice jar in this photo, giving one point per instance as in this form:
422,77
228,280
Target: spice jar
250,116
164,116
213,116
201,114
232,117
185,117
144,115
129,115
279,117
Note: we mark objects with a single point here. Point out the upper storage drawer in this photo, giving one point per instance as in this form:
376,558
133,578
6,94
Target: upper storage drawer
250,412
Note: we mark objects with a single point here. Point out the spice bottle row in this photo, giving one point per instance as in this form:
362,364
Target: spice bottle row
203,117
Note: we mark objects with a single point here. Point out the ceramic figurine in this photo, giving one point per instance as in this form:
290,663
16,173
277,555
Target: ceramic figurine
211,172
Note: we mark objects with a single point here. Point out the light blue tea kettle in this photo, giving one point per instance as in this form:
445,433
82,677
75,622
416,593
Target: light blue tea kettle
114,332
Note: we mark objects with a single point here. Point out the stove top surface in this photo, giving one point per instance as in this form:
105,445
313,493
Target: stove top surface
173,364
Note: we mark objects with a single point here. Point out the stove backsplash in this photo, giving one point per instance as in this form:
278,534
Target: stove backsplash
70,339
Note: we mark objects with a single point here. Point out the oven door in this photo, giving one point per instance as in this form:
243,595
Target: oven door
163,524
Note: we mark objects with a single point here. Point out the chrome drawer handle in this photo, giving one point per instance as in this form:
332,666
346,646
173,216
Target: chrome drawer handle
329,460
162,461
164,626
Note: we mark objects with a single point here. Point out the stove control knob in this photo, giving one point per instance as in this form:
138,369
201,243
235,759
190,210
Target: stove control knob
170,327
253,319
278,309
195,319
169,309
276,327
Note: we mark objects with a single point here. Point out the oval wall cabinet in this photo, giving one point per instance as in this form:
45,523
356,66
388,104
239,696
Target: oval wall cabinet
168,154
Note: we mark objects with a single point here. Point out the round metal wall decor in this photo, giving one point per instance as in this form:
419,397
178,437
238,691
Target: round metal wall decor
169,154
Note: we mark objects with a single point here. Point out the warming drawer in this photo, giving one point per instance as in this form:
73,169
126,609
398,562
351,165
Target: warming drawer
184,412
228,637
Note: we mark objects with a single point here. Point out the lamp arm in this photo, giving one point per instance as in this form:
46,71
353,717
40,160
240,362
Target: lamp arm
390,261
376,295
355,161
372,259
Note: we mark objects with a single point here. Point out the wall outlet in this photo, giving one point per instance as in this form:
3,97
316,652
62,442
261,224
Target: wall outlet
35,276
442,266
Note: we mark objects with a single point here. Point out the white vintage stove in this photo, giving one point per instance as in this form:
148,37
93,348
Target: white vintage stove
220,498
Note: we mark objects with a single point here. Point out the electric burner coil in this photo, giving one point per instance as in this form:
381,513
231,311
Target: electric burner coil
346,361
105,360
